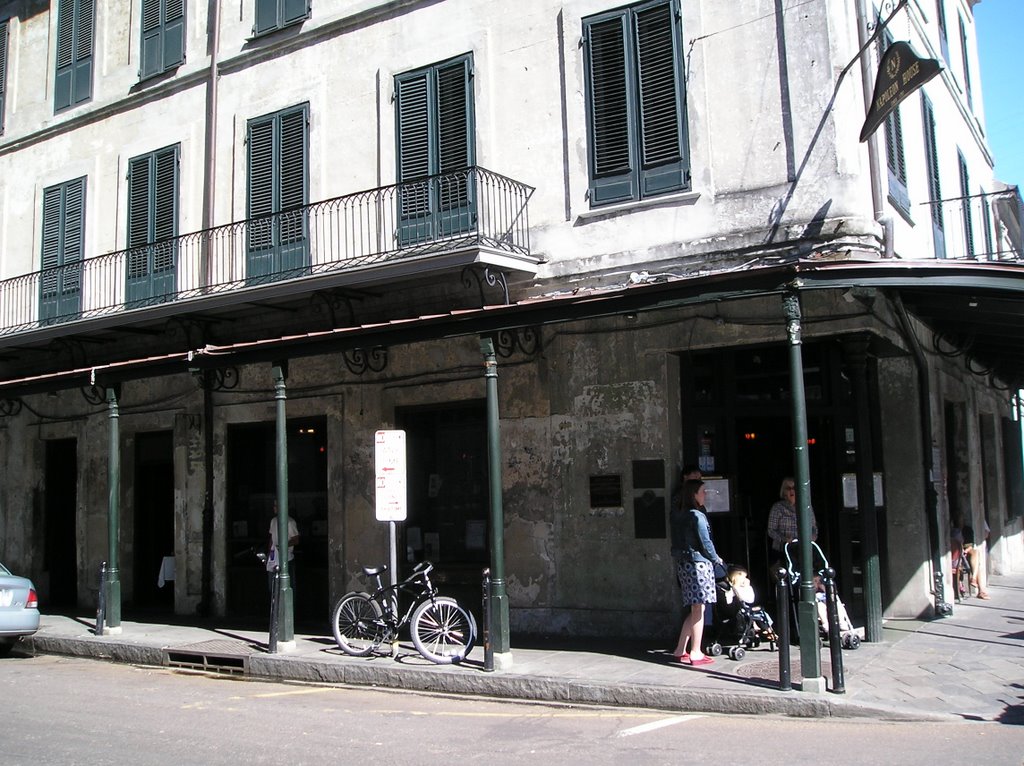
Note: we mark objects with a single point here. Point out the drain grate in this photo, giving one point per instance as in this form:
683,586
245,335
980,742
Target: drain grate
229,657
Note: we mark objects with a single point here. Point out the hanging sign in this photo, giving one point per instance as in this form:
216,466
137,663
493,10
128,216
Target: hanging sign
389,460
900,73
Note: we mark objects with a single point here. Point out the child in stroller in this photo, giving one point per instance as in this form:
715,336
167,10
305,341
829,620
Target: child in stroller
738,623
849,635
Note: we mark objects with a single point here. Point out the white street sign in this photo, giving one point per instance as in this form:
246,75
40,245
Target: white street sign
390,474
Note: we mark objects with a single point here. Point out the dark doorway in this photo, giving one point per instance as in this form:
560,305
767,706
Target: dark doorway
448,490
737,425
251,493
61,499
154,520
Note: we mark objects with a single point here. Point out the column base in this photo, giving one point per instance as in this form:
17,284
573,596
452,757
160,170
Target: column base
813,685
503,660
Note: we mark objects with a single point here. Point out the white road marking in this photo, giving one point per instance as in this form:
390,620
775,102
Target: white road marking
653,725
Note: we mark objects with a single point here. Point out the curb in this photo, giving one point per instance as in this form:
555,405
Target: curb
496,685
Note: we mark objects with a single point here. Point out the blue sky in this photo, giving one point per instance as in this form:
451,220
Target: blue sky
1000,27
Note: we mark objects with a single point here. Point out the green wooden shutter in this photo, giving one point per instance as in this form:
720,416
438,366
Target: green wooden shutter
435,130
65,54
414,154
293,10
965,207
966,64
53,204
986,224
163,36
83,51
894,151
74,248
174,33
152,218
455,147
274,14
63,244
73,80
3,71
165,222
261,182
934,184
266,16
278,153
152,37
663,164
608,71
292,181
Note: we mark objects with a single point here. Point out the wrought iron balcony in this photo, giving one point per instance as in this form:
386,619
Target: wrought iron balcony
982,227
472,210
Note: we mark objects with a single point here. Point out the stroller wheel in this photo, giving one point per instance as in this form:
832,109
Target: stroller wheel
737,653
715,649
851,641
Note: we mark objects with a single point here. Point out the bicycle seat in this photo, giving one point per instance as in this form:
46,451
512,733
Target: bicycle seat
374,571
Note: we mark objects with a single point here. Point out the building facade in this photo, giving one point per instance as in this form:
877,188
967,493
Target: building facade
195,199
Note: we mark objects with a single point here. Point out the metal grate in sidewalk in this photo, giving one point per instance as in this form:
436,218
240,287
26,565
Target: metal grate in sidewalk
216,656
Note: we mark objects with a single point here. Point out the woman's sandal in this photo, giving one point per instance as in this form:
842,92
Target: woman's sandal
705,660
683,658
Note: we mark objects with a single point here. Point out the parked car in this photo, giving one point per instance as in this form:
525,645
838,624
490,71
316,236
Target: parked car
19,609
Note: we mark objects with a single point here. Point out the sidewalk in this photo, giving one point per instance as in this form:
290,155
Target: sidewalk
967,666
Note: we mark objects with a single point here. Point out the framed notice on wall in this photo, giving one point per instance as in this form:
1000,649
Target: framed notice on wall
716,496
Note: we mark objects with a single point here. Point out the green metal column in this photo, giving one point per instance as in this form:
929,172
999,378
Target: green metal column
498,596
856,354
285,606
113,595
807,616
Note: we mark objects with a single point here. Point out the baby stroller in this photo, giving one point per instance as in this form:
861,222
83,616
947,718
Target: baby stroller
848,634
738,623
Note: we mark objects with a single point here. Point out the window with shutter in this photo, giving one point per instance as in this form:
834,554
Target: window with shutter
965,207
436,151
152,227
940,14
163,36
894,151
63,245
278,194
934,185
986,223
277,14
3,70
636,107
965,60
73,80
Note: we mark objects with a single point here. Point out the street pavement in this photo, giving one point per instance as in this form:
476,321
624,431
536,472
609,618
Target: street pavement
968,666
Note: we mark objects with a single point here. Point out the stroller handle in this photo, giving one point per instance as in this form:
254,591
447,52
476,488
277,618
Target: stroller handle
793,573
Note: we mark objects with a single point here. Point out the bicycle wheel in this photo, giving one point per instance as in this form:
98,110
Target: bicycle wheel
356,621
443,631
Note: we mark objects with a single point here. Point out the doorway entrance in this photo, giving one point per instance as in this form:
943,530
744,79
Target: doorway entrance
737,425
60,501
449,498
251,494
154,520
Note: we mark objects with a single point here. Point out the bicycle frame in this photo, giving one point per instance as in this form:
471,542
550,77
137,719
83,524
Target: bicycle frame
416,586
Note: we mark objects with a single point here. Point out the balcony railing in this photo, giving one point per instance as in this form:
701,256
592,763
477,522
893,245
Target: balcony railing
473,208
978,227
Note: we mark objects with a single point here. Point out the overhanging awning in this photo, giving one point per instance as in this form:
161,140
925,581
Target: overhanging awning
977,309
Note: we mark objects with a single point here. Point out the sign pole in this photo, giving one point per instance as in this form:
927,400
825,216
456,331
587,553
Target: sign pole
391,497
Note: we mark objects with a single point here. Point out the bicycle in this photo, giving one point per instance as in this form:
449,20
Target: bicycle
442,631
